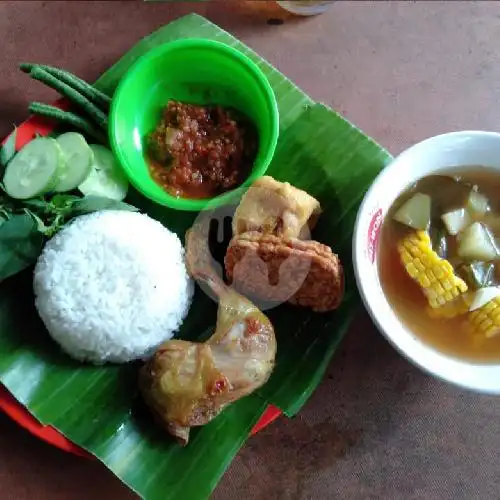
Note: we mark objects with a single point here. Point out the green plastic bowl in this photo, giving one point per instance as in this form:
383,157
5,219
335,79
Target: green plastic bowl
196,71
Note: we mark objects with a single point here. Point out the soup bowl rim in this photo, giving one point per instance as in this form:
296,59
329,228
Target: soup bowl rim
398,175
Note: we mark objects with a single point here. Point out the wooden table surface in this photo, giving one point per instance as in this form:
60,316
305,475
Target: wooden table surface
377,428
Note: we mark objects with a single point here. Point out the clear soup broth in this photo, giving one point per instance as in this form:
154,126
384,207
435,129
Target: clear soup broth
460,210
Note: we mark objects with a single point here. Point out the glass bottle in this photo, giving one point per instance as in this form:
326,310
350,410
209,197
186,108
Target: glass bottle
306,7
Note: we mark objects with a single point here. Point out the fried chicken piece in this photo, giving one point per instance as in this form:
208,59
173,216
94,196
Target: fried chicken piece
187,384
271,269
278,208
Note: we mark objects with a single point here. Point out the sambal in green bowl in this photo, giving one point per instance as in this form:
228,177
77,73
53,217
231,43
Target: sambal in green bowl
192,122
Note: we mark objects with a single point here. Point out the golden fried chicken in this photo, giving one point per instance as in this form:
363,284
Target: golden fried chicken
188,384
273,269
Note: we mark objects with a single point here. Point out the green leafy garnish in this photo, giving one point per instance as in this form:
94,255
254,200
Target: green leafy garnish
37,219
7,150
20,244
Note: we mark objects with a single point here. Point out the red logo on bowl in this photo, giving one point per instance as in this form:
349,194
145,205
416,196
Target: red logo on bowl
373,234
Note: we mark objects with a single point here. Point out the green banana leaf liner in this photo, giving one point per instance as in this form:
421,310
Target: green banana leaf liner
98,407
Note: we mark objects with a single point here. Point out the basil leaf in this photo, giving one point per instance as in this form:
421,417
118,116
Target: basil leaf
40,225
36,203
20,244
90,204
64,201
7,151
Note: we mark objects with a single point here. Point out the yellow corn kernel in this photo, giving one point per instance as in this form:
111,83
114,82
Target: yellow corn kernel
457,307
434,275
485,321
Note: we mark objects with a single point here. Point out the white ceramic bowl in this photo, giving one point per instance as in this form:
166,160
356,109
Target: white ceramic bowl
425,158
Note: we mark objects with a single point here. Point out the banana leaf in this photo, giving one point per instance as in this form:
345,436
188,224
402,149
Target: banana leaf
98,407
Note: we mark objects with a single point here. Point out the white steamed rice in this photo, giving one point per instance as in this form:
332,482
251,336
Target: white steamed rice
111,286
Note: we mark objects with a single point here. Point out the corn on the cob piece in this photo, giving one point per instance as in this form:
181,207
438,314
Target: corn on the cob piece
486,320
435,276
459,306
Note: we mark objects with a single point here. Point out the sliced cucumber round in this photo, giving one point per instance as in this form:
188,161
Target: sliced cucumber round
106,177
34,170
78,159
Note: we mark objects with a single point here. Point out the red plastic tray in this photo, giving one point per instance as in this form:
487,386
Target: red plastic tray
17,412
8,404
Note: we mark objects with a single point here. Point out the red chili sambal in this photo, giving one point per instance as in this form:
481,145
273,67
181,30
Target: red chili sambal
201,151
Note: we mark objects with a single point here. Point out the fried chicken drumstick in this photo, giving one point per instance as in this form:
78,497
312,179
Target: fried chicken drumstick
188,384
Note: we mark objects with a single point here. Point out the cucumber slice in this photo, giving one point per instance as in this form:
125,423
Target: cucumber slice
78,159
106,177
34,170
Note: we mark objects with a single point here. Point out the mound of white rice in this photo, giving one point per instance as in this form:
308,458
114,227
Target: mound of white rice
111,286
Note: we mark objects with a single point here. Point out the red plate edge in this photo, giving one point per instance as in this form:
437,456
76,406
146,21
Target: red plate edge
17,412
13,408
